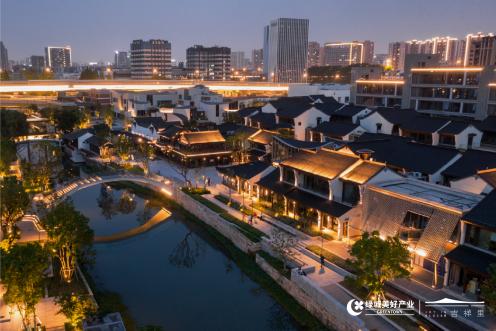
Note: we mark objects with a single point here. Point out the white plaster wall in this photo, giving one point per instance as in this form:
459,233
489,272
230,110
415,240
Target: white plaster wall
268,108
461,140
82,139
306,120
369,124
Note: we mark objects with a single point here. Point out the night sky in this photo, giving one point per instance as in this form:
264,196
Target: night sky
95,28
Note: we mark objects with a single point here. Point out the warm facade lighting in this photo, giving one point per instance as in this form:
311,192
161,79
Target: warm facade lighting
393,82
58,86
447,69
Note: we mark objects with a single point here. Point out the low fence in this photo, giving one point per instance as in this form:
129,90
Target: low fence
323,306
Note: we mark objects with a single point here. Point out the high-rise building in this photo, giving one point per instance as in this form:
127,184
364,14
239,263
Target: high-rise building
396,55
313,58
266,50
58,58
343,53
480,50
238,60
37,63
447,48
287,49
257,60
380,59
368,52
209,63
121,59
4,57
150,59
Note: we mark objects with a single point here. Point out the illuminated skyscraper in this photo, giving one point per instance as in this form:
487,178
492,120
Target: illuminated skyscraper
286,45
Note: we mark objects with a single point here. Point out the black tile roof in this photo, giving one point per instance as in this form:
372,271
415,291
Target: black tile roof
300,144
394,115
472,258
348,111
76,134
426,124
323,98
245,112
271,182
488,125
157,122
328,108
171,131
335,129
455,127
245,170
471,162
484,213
267,120
402,153
96,141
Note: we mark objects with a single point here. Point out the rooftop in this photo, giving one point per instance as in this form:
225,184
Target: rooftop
470,163
202,137
324,163
335,129
262,137
245,170
484,213
402,153
301,144
434,194
363,172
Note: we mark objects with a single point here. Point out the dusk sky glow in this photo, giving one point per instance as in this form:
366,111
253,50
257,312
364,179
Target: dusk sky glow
95,28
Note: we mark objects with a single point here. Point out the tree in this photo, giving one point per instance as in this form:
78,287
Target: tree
67,119
76,307
488,289
378,261
22,275
238,143
124,147
89,73
37,175
13,123
69,235
284,245
148,153
8,154
182,169
106,114
13,201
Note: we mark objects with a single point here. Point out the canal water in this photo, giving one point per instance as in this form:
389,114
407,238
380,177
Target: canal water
173,276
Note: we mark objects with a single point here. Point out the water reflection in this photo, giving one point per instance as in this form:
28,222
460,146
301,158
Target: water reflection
186,252
175,277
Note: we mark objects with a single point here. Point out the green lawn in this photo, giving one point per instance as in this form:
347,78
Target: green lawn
249,231
331,257
234,204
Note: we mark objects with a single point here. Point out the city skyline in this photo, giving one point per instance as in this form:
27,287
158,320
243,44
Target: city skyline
24,37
